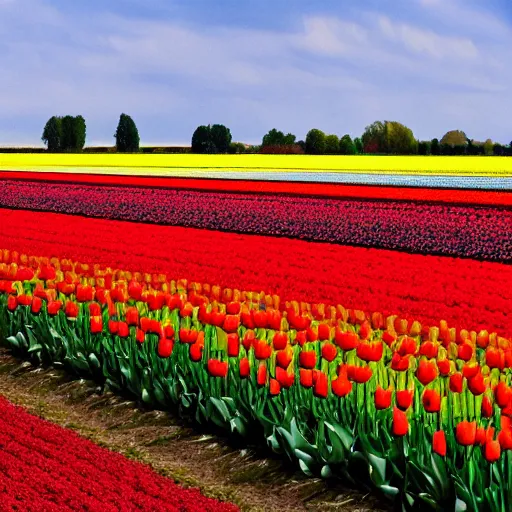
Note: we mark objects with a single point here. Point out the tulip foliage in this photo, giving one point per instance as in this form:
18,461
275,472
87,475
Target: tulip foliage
419,412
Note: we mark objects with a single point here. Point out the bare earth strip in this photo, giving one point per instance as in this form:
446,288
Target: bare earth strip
254,480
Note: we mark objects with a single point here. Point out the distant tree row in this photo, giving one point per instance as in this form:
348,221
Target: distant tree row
67,134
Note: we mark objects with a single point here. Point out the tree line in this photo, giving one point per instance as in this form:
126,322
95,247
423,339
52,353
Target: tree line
381,137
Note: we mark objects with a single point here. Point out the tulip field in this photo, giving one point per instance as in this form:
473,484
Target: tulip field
366,339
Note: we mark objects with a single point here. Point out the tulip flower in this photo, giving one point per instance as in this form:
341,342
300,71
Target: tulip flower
307,359
398,363
217,368
359,374
24,300
259,318
329,352
123,330
96,324
284,357
346,340
444,367
487,407
408,346
400,422
306,378
480,436
233,345
404,398
140,336
165,347
84,293
36,305
274,387
465,351
426,372
231,323
262,350
196,352
465,433
132,316
71,309
388,338
233,308
261,376
431,400
280,340
456,382
54,307
439,443
371,351
505,439
502,394
477,384
284,378
382,398
94,309
321,388
429,350
341,386
245,367
492,451
248,340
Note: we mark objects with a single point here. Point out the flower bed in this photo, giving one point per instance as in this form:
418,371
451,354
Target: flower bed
44,467
464,231
466,293
419,412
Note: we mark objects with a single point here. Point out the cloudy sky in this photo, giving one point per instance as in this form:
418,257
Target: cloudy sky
253,65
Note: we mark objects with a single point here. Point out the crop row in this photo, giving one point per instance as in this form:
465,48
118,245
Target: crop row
46,467
467,294
463,231
420,413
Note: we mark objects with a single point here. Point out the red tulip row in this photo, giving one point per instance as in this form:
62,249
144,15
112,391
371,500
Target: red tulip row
462,230
466,293
44,467
325,348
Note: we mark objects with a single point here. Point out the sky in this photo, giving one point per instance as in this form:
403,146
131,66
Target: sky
254,65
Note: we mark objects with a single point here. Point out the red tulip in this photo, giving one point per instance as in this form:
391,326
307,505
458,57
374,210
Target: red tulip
465,433
140,336
284,378
321,385
84,293
365,330
132,316
233,345
301,338
400,422
341,386
439,443
259,318
359,374
217,368
233,308
382,398
470,370
36,305
404,398
165,346
306,378
275,387
370,351
96,324
324,332
346,340
284,357
261,377
262,350
280,340
502,394
329,352
477,385
245,367
94,309
248,340
196,352
231,323
456,382
480,436
430,350
408,346
123,330
492,451
444,367
426,372
307,359
505,439
388,338
135,290
465,351
495,358
54,307
431,400
24,300
398,363
71,309
487,407
113,326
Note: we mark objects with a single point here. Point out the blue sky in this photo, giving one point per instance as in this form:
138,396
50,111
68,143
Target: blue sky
253,65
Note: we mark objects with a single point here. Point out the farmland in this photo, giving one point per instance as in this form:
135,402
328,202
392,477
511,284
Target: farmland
363,335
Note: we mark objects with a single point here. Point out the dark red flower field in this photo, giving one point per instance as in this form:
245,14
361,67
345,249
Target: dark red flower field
45,468
481,232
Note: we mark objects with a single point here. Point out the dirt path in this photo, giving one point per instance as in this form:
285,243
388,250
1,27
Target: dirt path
254,480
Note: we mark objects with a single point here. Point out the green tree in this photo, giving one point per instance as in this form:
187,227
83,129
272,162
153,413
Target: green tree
358,143
424,147
220,137
201,139
332,145
277,138
454,138
67,140
347,146
79,133
434,146
373,138
127,135
315,142
235,148
399,139
52,134
488,147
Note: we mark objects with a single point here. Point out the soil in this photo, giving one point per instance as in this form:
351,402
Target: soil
251,477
